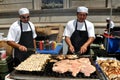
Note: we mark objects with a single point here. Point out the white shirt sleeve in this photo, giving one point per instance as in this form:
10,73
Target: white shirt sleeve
112,24
14,33
69,29
91,31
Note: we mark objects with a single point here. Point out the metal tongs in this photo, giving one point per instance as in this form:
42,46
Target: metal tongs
30,49
77,53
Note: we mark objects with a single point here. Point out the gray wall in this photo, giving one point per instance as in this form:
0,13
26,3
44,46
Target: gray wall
40,17
14,5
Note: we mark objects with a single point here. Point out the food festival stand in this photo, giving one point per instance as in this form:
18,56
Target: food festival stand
48,74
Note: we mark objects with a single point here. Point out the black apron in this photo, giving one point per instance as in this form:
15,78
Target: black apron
78,38
26,39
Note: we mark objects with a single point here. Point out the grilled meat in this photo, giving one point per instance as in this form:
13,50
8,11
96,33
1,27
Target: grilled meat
35,62
75,66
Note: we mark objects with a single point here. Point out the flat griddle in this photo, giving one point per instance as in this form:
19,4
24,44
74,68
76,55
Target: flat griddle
47,73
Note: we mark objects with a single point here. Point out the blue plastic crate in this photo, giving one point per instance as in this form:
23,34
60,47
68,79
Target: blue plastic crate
113,45
55,51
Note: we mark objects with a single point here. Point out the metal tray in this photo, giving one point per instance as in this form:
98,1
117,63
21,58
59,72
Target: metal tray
100,68
104,76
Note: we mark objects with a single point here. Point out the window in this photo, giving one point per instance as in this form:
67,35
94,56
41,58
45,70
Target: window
52,4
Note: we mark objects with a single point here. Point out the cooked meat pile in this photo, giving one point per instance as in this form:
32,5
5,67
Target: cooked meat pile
61,57
111,68
35,62
75,66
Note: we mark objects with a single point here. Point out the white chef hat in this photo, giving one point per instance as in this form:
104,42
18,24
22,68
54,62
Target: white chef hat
23,11
108,18
82,9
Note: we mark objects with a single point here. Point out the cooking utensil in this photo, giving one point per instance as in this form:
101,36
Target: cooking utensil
31,49
77,53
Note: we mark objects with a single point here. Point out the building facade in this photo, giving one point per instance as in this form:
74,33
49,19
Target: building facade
50,12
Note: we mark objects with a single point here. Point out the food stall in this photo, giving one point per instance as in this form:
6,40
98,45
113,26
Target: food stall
43,68
46,71
40,67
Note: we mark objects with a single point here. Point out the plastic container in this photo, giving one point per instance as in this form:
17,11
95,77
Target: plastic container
41,45
47,45
53,45
2,53
6,66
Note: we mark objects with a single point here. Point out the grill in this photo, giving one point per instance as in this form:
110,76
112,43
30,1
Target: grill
49,74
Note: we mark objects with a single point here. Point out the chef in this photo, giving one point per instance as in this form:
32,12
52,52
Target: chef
79,33
110,25
21,36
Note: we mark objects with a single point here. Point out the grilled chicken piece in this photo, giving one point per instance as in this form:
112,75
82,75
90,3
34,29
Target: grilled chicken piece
71,56
35,62
60,57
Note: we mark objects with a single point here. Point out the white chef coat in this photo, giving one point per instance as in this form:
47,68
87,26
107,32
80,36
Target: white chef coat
15,31
112,24
70,28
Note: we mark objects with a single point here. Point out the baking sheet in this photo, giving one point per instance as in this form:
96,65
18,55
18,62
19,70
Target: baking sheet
100,68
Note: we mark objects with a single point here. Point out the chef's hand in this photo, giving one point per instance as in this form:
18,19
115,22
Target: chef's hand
83,49
23,48
71,48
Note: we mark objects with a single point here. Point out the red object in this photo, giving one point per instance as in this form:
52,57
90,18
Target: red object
107,35
41,45
3,56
